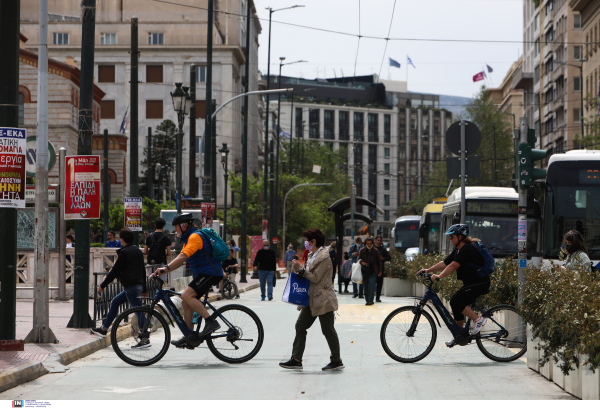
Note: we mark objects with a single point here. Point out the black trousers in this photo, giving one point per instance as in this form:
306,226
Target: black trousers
379,286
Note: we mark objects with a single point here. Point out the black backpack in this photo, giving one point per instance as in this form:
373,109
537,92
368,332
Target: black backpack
156,253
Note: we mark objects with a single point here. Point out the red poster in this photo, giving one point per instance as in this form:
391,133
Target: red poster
82,192
208,213
12,167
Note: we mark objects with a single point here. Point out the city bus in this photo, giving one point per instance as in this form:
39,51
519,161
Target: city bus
572,201
429,227
491,214
406,232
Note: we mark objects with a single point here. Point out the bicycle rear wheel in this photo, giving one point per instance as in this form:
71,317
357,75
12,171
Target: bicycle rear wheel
141,347
408,335
243,340
502,339
230,290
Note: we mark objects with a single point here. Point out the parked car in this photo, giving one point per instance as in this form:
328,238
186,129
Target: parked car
410,253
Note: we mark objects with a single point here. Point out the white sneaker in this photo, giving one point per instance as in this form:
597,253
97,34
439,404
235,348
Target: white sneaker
477,325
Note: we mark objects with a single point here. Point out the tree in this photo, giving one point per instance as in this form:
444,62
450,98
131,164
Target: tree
164,152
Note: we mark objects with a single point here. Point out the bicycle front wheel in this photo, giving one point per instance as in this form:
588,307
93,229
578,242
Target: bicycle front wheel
503,339
145,344
230,290
408,334
239,342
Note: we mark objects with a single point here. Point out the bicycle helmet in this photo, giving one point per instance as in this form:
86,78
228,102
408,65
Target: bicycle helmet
458,229
185,218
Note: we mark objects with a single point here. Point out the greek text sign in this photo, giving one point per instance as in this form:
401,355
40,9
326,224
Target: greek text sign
82,187
133,213
13,143
522,230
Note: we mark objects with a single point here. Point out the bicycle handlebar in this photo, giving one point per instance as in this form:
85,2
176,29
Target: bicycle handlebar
427,276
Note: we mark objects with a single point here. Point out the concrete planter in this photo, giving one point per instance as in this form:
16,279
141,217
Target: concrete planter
590,383
418,289
557,376
573,382
396,287
533,354
547,370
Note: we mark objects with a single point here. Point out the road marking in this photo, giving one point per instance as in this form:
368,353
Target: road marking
119,390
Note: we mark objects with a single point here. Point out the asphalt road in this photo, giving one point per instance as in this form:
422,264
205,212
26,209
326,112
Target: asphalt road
457,373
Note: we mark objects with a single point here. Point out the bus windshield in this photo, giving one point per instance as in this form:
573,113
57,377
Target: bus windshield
431,242
499,233
572,197
406,235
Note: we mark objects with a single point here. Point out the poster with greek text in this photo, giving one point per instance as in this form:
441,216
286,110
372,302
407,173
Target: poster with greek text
13,143
133,213
82,192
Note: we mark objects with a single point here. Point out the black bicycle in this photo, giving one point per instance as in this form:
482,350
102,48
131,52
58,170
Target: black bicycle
409,333
148,338
230,289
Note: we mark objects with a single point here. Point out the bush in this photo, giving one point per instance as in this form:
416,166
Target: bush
96,245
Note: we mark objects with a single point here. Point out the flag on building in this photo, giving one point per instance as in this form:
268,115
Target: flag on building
490,70
125,122
284,134
409,61
394,63
479,76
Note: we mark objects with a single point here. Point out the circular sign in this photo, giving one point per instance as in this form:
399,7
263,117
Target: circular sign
30,155
275,240
472,138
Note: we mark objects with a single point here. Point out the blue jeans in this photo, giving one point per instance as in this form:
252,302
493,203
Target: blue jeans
360,289
266,277
130,294
370,282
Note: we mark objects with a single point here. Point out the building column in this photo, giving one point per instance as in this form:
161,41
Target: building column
443,134
419,149
431,143
407,157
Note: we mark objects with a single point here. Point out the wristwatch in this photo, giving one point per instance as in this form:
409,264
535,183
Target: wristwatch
167,266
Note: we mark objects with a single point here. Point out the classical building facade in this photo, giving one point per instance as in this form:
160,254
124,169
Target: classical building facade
170,39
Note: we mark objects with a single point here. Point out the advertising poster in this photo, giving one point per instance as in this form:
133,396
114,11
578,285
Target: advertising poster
13,143
133,213
82,192
208,213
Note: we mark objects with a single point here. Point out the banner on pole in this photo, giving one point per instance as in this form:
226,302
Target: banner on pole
13,143
82,187
133,213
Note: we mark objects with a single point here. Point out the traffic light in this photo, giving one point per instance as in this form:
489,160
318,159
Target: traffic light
527,157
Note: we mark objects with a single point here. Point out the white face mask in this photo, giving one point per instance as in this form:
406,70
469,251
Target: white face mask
265,247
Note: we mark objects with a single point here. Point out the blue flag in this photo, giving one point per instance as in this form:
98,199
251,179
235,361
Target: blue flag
490,70
284,134
124,122
394,63
409,61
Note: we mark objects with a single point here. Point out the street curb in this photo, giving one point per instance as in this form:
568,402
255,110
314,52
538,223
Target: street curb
31,371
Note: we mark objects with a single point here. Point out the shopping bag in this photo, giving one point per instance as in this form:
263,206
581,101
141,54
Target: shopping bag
357,273
296,290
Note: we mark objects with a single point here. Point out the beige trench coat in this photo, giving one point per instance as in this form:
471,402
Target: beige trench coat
322,298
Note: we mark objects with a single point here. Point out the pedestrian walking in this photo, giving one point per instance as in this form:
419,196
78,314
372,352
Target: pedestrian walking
322,303
346,272
265,263
385,257
129,270
333,257
357,289
112,242
288,258
370,261
158,245
577,254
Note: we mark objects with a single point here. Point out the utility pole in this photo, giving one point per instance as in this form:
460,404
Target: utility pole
193,186
9,117
105,187
495,171
133,127
150,166
244,204
463,170
62,226
273,232
207,179
81,317
291,135
266,153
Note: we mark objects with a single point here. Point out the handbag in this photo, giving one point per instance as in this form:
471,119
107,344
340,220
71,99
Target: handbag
296,290
357,273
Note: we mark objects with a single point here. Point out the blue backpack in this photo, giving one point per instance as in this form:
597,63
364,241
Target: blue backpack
220,249
489,263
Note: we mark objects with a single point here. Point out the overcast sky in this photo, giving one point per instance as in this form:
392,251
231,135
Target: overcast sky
441,67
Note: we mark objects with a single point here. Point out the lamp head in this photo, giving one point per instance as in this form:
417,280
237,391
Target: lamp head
178,96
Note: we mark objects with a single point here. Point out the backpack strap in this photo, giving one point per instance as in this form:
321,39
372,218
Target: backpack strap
204,253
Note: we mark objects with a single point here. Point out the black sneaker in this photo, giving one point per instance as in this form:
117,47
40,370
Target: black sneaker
334,366
361,297
144,343
291,364
270,299
378,300
211,326
354,296
182,342
237,297
99,332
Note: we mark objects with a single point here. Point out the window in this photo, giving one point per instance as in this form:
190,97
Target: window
372,150
328,116
372,197
576,20
372,166
107,109
386,168
106,73
549,35
577,84
386,215
372,136
386,184
329,133
386,121
577,52
21,109
386,232
200,73
386,199
576,115
386,153
60,38
156,38
154,109
108,39
154,73
357,181
536,47
387,137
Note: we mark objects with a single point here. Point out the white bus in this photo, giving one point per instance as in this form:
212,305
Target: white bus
406,232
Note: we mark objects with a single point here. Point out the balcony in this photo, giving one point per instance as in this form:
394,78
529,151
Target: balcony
522,80
545,81
545,110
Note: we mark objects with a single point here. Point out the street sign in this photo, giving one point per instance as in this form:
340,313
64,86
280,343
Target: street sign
453,167
191,204
82,187
30,194
12,167
275,240
31,156
133,213
472,138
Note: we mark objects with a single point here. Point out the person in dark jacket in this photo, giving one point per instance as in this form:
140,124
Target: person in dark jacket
385,257
370,261
129,270
265,263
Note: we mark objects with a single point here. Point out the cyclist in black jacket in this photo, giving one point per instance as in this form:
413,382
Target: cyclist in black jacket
464,260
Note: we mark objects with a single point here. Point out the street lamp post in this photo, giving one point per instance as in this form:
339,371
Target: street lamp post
181,104
224,153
